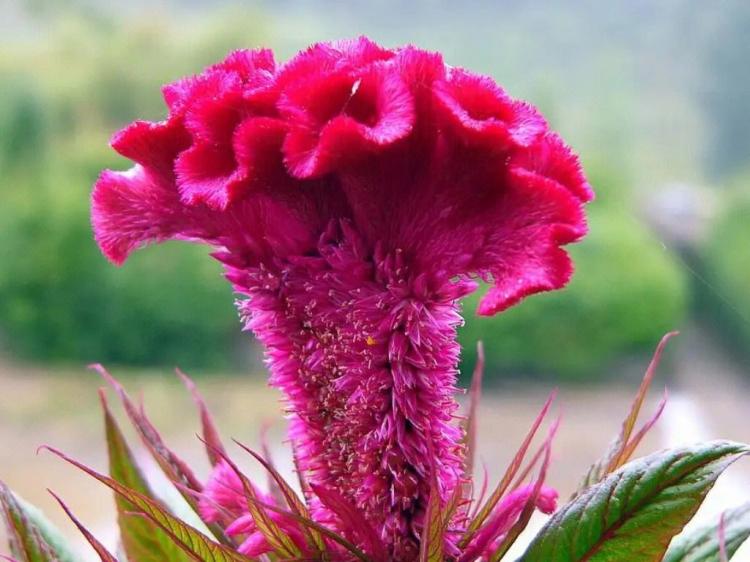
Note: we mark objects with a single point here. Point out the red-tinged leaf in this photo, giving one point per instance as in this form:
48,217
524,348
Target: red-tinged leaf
723,556
280,542
101,550
141,539
521,478
196,544
327,533
475,394
25,538
706,543
353,521
273,485
289,497
303,485
507,478
629,423
634,513
636,440
528,510
482,492
455,502
208,427
176,470
623,447
431,546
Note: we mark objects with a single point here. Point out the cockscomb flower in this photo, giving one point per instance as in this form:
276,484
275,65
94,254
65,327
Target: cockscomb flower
354,195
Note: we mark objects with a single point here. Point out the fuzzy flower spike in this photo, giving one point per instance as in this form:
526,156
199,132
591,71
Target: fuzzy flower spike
354,194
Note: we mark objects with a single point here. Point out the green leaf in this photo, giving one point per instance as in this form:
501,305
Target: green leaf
431,547
104,554
214,446
50,533
702,545
309,523
475,394
290,497
634,513
142,540
176,470
507,479
30,536
625,444
193,542
280,542
528,510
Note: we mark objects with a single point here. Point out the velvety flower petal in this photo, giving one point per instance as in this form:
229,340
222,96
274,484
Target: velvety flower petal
208,172
463,211
254,68
551,158
324,58
523,255
130,209
336,118
153,145
254,545
481,112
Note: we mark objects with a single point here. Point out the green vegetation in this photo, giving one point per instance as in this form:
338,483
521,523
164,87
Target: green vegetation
78,72
59,299
725,262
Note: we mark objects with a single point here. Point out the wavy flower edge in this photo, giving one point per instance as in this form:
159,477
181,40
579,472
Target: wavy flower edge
354,195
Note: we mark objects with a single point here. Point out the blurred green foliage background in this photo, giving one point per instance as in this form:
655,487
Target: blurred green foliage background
648,106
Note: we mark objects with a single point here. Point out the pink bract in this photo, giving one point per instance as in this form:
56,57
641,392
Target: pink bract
354,195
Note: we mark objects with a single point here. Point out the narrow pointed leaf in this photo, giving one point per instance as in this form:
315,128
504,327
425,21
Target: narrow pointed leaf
475,393
208,427
193,542
290,497
327,533
173,467
303,484
623,447
635,512
50,533
431,544
176,470
507,478
530,507
280,541
353,521
273,485
540,455
141,539
101,550
704,544
632,445
25,538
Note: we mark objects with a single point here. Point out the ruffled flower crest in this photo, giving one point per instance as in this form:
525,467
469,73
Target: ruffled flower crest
353,194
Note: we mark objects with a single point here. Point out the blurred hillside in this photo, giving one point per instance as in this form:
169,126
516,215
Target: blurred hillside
651,94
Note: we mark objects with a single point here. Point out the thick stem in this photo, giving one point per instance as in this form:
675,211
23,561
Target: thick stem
365,352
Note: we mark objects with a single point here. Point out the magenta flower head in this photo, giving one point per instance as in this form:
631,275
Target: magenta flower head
354,195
